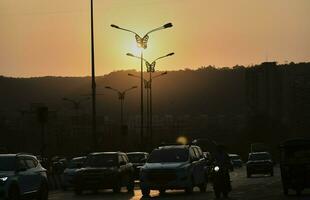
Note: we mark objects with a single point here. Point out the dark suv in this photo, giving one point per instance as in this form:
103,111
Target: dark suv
104,170
259,163
21,176
173,167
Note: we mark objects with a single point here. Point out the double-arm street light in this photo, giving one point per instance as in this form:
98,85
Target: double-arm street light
142,43
150,69
121,97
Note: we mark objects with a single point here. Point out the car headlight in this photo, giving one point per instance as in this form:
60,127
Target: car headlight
3,179
216,168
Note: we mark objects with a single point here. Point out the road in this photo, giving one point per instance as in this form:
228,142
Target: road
254,188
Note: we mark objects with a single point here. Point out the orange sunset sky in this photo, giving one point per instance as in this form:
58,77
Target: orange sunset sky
52,37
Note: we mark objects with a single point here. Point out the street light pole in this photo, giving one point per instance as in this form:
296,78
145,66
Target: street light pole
94,123
121,97
142,43
148,87
150,69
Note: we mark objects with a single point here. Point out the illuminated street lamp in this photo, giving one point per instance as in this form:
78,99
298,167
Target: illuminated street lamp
150,69
142,43
121,97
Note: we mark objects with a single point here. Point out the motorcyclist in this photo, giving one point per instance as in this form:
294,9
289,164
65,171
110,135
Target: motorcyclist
222,160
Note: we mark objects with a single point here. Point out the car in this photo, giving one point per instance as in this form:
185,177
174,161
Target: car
173,167
138,159
236,160
22,176
104,170
259,163
68,174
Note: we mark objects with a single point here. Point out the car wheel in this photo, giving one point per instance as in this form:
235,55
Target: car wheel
78,190
285,191
298,192
248,174
217,194
145,192
14,193
117,187
162,191
131,185
203,187
43,192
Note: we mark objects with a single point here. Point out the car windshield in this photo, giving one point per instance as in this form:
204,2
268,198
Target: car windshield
168,155
235,157
136,158
76,163
259,156
7,163
102,160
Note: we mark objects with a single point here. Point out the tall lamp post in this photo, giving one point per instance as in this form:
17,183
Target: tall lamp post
93,85
121,97
142,43
151,69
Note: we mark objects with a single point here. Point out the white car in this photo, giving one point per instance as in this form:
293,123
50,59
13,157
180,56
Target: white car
21,176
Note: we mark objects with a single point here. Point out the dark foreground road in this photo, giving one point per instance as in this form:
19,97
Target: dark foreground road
255,188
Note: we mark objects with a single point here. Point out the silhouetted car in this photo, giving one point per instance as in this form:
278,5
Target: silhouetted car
236,160
104,170
137,159
294,164
21,176
259,163
70,171
173,167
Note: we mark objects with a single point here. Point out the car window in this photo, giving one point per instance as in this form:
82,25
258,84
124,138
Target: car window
101,160
196,153
126,158
192,154
21,163
200,153
7,163
30,163
259,156
136,158
168,155
121,159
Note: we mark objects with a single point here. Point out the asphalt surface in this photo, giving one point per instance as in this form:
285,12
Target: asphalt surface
254,188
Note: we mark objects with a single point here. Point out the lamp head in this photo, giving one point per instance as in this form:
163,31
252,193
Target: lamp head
108,87
133,87
114,26
170,54
168,25
130,54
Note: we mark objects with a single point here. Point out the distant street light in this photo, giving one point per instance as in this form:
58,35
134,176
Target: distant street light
142,43
150,69
121,97
76,104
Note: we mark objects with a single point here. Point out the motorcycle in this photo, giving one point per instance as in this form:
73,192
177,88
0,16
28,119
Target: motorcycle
221,181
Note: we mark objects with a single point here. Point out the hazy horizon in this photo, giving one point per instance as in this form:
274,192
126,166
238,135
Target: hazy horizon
51,38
